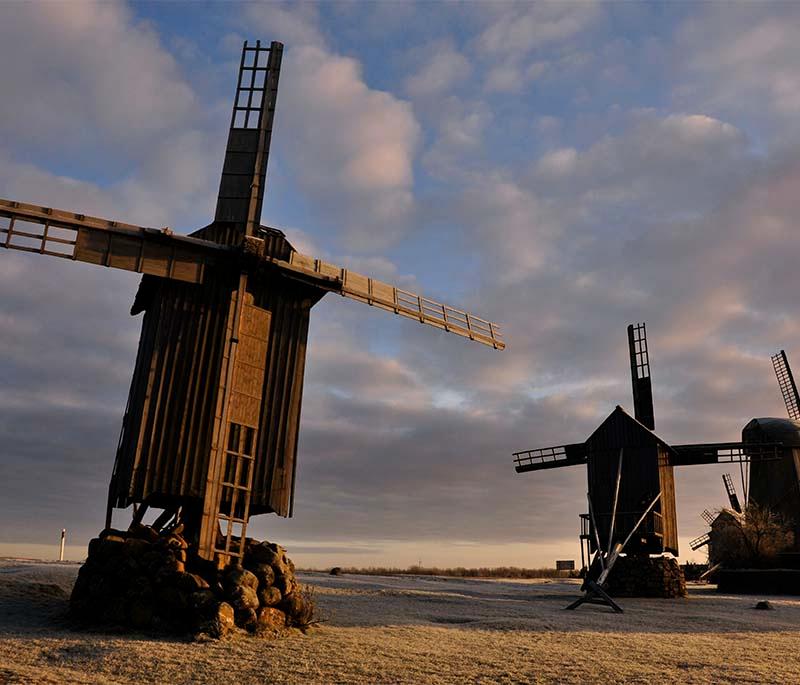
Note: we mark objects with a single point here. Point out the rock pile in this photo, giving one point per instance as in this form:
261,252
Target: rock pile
641,576
146,580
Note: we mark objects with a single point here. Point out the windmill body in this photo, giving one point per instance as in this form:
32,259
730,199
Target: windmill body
776,484
646,472
211,426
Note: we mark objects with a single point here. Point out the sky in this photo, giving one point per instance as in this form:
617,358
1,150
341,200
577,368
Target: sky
564,169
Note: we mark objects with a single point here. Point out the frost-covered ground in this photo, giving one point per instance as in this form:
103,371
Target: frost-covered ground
417,630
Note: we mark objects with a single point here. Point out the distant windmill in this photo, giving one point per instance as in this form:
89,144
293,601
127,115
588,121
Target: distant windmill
774,483
712,518
631,488
210,430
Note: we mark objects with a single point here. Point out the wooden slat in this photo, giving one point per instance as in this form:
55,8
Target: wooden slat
157,252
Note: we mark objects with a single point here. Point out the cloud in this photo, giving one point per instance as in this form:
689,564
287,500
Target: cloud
523,27
440,73
350,147
512,77
87,58
293,24
741,60
97,91
460,126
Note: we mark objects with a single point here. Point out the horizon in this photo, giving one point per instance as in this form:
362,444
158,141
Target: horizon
564,169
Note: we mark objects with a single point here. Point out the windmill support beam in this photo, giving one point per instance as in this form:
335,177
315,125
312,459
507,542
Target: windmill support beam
616,500
594,591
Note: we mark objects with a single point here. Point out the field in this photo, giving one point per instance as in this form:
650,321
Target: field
416,630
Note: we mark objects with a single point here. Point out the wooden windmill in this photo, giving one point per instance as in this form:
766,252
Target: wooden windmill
211,426
773,484
631,487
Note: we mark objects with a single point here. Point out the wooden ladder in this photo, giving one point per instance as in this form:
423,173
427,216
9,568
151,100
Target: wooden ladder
236,488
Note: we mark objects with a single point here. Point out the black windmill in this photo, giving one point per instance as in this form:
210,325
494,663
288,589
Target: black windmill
631,486
776,484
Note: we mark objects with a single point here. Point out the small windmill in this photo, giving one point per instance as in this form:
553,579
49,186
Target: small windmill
210,430
711,518
631,486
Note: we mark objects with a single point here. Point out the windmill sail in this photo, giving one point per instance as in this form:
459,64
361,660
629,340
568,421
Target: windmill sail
241,189
726,453
783,373
733,498
385,296
549,457
700,541
640,375
79,237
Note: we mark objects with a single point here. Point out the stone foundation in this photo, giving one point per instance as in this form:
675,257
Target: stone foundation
149,581
635,576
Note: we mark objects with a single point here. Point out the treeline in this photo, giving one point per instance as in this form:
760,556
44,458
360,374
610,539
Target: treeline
457,572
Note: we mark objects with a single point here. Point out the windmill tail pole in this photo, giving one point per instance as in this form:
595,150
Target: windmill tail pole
616,501
618,548
61,546
596,534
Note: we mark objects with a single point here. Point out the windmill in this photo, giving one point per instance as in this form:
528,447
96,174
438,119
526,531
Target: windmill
774,483
631,487
714,519
210,430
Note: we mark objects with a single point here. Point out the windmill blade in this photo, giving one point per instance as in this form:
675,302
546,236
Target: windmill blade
83,238
241,188
549,457
783,373
733,498
725,453
640,375
700,541
391,298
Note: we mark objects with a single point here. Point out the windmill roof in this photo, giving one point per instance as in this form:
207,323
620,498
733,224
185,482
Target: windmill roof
778,429
633,429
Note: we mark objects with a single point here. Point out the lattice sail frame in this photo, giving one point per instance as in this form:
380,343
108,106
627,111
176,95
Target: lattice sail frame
549,457
783,373
390,298
640,375
84,238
